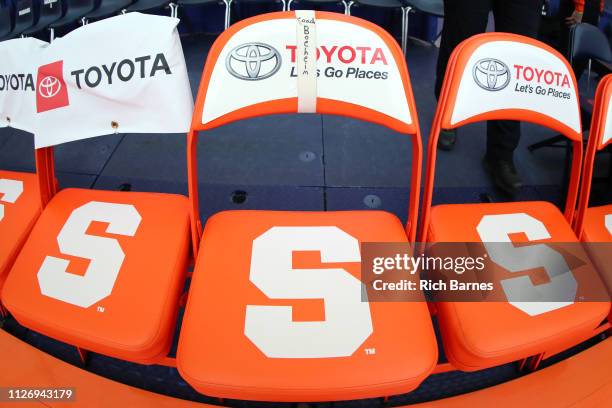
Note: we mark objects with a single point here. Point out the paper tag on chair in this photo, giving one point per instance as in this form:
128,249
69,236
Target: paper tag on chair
306,37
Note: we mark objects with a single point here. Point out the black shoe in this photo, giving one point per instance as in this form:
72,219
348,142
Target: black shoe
504,175
447,139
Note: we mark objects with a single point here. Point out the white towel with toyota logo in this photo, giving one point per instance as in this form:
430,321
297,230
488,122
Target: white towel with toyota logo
123,74
18,62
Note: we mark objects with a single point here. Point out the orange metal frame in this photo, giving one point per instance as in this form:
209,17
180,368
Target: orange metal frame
441,120
598,124
49,187
324,106
45,170
447,101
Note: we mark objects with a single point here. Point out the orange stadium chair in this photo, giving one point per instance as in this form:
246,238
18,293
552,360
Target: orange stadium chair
19,207
275,308
488,78
102,270
594,224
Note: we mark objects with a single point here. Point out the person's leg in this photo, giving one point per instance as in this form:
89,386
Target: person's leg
518,17
590,16
566,8
462,19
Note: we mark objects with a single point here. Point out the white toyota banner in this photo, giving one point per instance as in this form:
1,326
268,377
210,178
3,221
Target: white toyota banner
18,63
513,75
123,74
266,61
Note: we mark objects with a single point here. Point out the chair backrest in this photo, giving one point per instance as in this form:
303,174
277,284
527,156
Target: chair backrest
6,20
588,41
267,65
500,76
600,136
51,9
24,16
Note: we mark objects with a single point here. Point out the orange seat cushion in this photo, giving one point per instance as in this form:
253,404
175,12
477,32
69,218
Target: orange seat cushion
20,202
477,335
275,311
103,270
595,229
599,241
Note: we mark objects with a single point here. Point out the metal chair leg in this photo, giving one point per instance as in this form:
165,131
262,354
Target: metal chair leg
284,2
173,10
405,13
403,30
51,34
347,9
588,90
289,5
228,12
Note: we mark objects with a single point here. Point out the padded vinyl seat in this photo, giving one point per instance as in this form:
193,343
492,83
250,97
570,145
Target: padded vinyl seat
19,207
594,225
595,228
597,234
478,335
103,270
244,337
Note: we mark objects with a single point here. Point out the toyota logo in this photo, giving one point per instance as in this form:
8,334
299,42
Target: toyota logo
253,61
49,87
491,74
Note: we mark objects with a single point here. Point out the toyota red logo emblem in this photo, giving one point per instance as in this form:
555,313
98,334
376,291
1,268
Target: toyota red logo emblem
49,87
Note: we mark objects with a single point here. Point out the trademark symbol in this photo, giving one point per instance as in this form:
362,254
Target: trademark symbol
100,309
370,351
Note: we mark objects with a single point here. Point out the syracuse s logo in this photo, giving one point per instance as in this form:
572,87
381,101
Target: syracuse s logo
253,61
491,74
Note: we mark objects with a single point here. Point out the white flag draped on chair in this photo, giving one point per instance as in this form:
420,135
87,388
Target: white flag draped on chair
124,74
18,62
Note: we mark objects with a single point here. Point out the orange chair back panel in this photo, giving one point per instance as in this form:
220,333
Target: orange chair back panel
256,68
90,274
275,311
305,62
501,76
506,76
19,208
